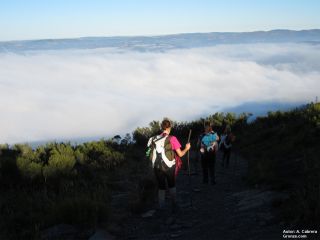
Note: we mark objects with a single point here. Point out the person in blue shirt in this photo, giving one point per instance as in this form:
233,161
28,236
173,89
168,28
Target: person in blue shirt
208,149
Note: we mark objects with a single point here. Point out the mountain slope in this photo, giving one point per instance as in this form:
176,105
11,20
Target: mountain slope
165,42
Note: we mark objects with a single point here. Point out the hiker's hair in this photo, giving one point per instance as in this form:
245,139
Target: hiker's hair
165,124
208,124
228,129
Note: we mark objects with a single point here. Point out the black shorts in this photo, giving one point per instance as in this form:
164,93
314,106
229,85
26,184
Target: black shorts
166,177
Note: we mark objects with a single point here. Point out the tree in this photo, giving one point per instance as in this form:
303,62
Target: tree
100,155
28,162
61,161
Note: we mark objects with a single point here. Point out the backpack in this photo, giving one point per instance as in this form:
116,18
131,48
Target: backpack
211,148
228,141
160,152
222,141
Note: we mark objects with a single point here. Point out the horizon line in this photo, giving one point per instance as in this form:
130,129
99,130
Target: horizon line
155,35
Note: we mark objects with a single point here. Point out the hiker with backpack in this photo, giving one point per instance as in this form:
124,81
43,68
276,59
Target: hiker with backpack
165,154
208,142
225,145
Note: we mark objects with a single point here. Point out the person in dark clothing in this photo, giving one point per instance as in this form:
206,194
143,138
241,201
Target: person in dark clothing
208,150
226,145
165,154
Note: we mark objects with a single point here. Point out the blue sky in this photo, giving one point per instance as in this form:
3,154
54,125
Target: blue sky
36,19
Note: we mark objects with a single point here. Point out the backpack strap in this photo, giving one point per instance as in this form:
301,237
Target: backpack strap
154,141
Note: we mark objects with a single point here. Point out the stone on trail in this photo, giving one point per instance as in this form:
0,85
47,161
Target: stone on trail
185,204
187,225
175,227
252,199
61,231
102,235
170,220
148,213
176,234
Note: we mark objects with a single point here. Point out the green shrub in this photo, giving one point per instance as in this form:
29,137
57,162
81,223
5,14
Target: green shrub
28,162
61,161
81,210
29,168
283,151
100,155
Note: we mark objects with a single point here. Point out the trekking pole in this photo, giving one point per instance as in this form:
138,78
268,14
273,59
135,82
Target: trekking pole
189,171
235,154
188,156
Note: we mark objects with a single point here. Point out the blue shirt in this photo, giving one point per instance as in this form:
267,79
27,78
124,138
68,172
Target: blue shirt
209,138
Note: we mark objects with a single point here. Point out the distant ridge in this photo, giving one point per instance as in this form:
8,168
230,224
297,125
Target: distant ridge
165,42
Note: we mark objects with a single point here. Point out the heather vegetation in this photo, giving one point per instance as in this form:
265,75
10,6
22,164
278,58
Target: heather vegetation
283,152
55,183
64,183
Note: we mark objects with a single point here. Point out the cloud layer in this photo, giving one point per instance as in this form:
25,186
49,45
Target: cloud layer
82,93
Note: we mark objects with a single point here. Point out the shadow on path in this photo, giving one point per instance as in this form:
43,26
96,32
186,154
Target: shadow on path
227,210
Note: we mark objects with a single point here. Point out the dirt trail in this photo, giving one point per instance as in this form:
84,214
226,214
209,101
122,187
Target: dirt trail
227,210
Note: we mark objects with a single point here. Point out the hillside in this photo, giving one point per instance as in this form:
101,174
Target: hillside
77,185
283,152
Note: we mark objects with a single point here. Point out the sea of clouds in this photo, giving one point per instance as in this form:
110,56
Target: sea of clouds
70,94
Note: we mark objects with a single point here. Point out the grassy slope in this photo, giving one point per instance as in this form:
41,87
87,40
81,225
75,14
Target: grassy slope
283,151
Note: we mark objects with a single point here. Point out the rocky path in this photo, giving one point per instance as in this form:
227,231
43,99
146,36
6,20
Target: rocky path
227,210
